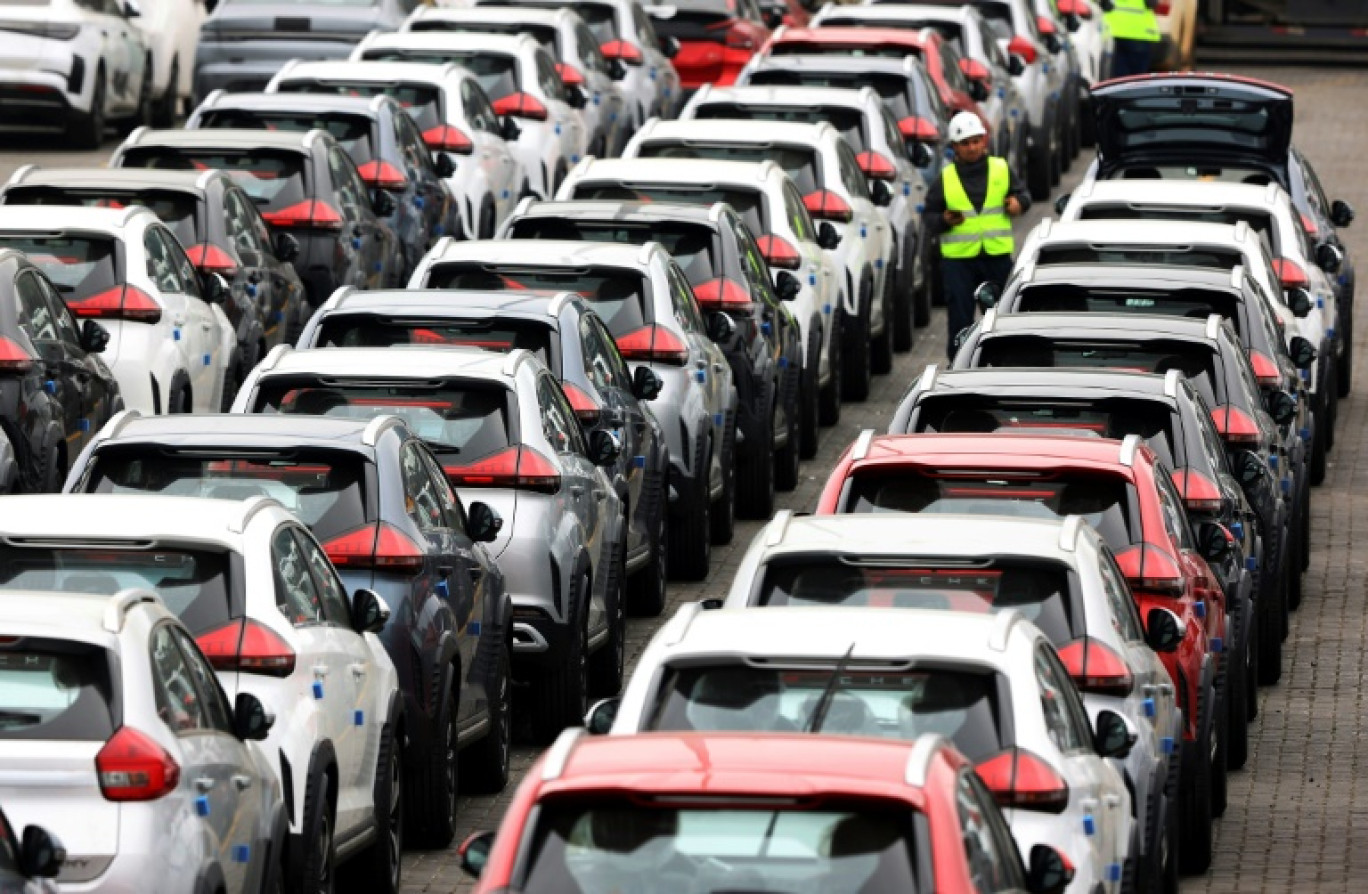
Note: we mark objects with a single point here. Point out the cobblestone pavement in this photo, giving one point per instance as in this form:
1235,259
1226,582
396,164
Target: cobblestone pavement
1298,814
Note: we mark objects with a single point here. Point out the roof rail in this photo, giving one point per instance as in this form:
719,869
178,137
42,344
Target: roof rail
336,297
1213,326
1044,227
1171,382
250,507
681,620
1069,530
514,360
861,447
370,436
1002,629
778,527
202,181
767,166
19,175
133,211
919,759
647,249
122,602
1028,271
523,207
1085,189
558,755
1129,447
716,208
989,320
137,135
1237,275
928,378
314,136
558,302
1241,230
1271,192
212,99
273,357
118,422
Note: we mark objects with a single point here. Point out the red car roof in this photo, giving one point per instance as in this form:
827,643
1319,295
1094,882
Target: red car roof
855,36
999,450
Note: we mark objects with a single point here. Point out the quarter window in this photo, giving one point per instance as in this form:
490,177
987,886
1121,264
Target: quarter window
326,582
1125,620
35,316
1054,702
990,869
559,424
420,497
297,595
173,685
212,699
798,219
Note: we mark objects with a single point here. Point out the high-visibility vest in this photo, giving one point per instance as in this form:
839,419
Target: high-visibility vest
986,229
1133,20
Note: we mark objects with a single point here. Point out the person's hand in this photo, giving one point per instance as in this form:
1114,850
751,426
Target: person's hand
953,218
1013,206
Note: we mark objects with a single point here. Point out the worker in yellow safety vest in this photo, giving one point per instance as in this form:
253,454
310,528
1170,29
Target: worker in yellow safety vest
1135,31
971,206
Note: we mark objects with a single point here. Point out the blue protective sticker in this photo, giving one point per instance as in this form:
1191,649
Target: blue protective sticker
83,424
826,308
1273,461
202,805
1217,644
175,334
242,853
278,316
505,194
1306,434
473,628
907,190
1002,91
359,717
318,688
639,461
379,266
783,363
356,242
1237,529
612,116
701,376
438,229
878,263
812,279
1251,563
575,157
251,290
50,386
208,358
1199,608
418,202
1287,485
1166,744
1113,872
442,589
598,101
717,418
864,231
558,129
1089,824
766,328
1148,705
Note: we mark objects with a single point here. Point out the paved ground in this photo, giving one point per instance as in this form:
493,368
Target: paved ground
1298,815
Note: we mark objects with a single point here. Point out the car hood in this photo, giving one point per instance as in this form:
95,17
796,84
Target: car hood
1153,117
303,21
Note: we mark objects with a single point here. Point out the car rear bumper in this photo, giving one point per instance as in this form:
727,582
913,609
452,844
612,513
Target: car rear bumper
35,98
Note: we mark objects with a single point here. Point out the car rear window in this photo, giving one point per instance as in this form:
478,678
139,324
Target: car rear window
55,690
892,89
850,122
495,72
1257,221
178,210
1206,173
879,702
749,203
352,132
1038,591
545,35
194,583
619,296
1107,502
697,20
325,489
502,335
78,265
801,164
691,245
1210,258
455,419
423,102
274,180
832,48
1067,298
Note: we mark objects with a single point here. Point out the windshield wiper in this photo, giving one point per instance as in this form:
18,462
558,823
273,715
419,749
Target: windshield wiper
819,711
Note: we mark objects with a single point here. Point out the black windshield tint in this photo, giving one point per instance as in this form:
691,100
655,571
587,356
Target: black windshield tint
352,132
423,102
618,296
274,180
366,331
55,690
1063,298
1259,222
892,89
79,266
850,122
691,245
869,50
178,210
1210,258
801,164
748,203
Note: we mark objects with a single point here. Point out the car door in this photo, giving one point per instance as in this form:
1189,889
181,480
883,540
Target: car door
209,334
492,154
361,240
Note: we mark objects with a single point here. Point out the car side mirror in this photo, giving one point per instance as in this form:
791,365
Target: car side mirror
921,154
604,447
601,716
1247,468
1281,406
382,203
474,853
787,286
1062,202
1214,542
1329,257
1302,351
960,338
1164,630
721,327
1341,213
1048,872
509,129
285,246
1299,301
251,721
1051,42
616,70
215,288
880,194
41,854
1072,22
670,47
987,295
646,384
94,337
576,97
1113,735
1016,66
483,524
827,237
369,613
443,164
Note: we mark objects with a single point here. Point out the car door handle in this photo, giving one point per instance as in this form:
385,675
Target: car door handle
444,570
577,490
204,784
321,670
1112,801
717,368
242,781
476,573
358,669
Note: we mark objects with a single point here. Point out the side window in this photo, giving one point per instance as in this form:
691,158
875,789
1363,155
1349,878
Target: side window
645,31
753,263
892,133
1171,508
1125,618
548,78
1054,702
588,49
185,271
453,513
990,868
161,268
595,360
212,698
478,111
682,300
173,685
559,424
347,184
798,219
420,497
67,330
35,317
1206,429
297,595
411,144
326,581
611,354
242,225
851,175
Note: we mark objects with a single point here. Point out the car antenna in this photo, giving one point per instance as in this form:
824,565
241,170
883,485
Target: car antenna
824,702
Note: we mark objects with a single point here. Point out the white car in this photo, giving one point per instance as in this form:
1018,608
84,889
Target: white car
455,116
769,204
992,684
74,64
172,30
170,343
834,190
269,612
120,741
521,81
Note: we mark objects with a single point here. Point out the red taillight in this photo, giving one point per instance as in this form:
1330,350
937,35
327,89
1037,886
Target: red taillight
779,252
1022,46
521,468
310,213
723,294
1200,493
248,646
521,105
211,259
1018,778
653,343
1309,224
382,175
876,166
1150,569
586,408
571,75
1161,8
1235,426
446,138
133,767
1266,372
826,205
622,51
1078,8
1290,274
119,303
923,129
1045,24
1095,667
377,545
13,358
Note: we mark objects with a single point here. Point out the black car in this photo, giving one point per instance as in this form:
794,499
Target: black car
719,257
375,497
1210,355
578,349
381,138
221,230
303,184
55,391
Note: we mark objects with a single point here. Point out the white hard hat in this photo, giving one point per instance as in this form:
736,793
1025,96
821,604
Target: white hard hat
966,125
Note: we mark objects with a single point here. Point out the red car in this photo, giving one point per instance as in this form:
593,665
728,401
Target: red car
739,812
716,38
1122,489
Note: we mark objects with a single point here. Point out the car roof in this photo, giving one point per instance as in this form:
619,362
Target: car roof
1180,192
1157,276
397,362
375,70
454,303
312,102
899,534
236,138
132,178
1065,325
549,253
599,209
58,218
451,40
858,36
1063,382
51,614
548,15
1138,232
241,430
699,171
782,94
730,130
998,451
900,12
124,517
831,62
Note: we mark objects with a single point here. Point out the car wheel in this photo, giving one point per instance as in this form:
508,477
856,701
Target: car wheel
318,858
142,115
164,113
691,538
484,764
380,865
1345,367
857,351
786,458
1038,164
432,791
809,394
724,513
648,585
1237,693
559,697
605,665
1220,777
755,496
906,302
232,381
1270,636
1196,795
881,350
829,398
87,131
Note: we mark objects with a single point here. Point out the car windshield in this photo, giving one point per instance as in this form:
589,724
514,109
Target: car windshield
691,245
495,72
1039,591
801,163
54,690
1069,298
369,331
892,89
325,489
178,210
849,122
748,203
80,266
619,845
352,132
455,419
1107,502
193,582
274,180
423,102
878,701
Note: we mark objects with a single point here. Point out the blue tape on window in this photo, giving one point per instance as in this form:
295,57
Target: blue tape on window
202,806
1148,705
242,853
318,688
639,462
1089,824
359,717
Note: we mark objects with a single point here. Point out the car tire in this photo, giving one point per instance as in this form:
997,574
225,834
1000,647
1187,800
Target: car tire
1269,630
809,394
232,381
433,788
178,398
484,765
606,665
691,538
166,108
881,349
1237,695
1038,165
647,594
315,868
559,698
380,866
856,351
1220,776
786,465
142,115
906,303
724,512
87,131
755,487
1195,792
829,398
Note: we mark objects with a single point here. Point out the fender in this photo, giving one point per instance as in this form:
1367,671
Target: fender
209,880
274,850
321,757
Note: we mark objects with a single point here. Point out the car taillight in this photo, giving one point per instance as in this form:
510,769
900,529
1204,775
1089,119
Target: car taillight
1148,568
1022,46
382,175
779,252
723,294
124,302
133,767
653,343
1161,8
446,138
1266,372
376,545
1309,224
1200,493
826,205
1045,24
1095,667
571,75
211,259
311,214
248,646
1235,426
1078,8
621,50
876,166
521,468
521,105
916,128
13,358
1018,778
1290,274
586,408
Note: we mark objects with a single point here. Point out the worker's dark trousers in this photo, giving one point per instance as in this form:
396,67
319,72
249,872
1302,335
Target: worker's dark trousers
960,278
1132,57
